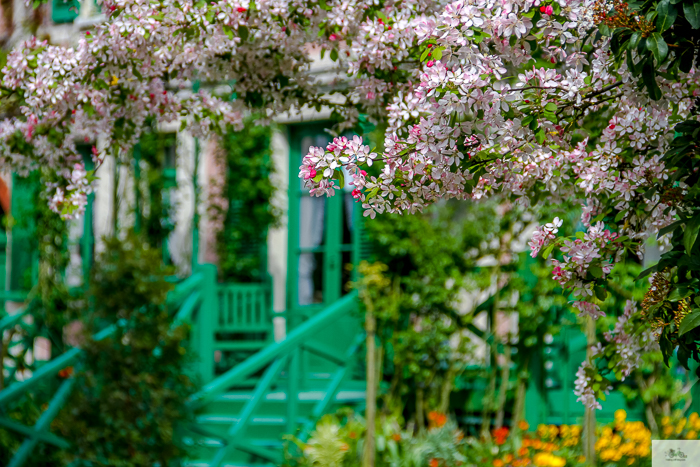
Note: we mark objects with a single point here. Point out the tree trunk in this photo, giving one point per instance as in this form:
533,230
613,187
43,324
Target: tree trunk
503,390
490,393
589,420
519,404
371,398
446,390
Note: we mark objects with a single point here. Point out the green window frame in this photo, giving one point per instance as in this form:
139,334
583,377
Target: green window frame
334,251
64,11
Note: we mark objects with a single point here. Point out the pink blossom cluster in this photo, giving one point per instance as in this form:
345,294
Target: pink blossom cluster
544,235
627,344
586,382
169,62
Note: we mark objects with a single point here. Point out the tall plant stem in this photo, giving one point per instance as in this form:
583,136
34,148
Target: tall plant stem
519,404
589,420
371,396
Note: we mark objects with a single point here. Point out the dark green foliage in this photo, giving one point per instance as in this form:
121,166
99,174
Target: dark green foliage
677,30
27,411
131,391
430,258
248,189
157,173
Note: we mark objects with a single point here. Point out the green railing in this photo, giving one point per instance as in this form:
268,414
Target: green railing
195,301
244,308
282,359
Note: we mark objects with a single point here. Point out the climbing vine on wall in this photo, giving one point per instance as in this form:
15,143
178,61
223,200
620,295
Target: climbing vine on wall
240,203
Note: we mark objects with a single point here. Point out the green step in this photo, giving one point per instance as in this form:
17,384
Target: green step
268,424
275,402
204,449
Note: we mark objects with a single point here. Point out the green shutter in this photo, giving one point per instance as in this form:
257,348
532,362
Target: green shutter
64,11
23,246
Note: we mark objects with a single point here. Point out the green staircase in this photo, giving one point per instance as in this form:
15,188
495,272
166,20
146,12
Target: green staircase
239,417
242,415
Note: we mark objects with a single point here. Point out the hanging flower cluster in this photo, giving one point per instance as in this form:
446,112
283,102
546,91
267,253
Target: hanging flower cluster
495,103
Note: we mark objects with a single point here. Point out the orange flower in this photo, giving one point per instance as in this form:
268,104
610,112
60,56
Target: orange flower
66,372
508,457
437,419
434,462
344,447
523,451
352,435
396,437
498,463
523,425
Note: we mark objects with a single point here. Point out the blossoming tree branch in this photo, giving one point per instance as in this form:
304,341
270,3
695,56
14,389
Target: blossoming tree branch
539,100
497,97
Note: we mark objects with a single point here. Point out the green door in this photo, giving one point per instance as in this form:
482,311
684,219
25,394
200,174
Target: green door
324,244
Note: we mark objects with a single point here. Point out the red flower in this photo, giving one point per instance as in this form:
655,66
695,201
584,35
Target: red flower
434,462
500,435
240,9
66,372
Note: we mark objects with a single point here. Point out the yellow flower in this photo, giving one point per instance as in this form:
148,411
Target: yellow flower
114,81
545,459
693,417
668,430
692,434
666,420
630,461
616,439
620,415
680,425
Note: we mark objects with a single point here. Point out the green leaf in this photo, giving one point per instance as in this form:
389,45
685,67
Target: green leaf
666,16
600,293
690,322
649,79
437,54
690,234
424,55
540,136
318,177
634,40
657,45
596,271
243,33
548,251
678,294
334,55
551,106
340,176
691,8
